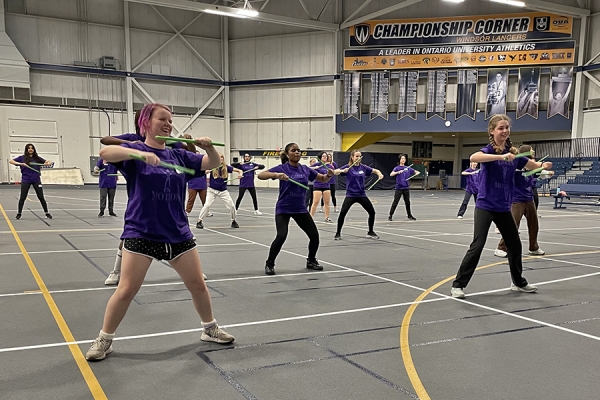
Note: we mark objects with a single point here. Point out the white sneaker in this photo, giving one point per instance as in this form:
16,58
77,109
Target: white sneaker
460,217
538,252
256,212
527,289
500,253
457,292
216,334
204,277
497,230
100,348
113,278
321,210
209,215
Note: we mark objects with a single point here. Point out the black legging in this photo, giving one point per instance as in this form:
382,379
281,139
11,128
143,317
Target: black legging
364,202
306,223
38,191
397,195
333,199
241,196
465,203
308,198
536,197
510,233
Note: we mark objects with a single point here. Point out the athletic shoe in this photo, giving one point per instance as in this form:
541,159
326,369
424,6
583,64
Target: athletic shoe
18,216
216,334
372,235
412,218
269,268
460,217
336,210
337,237
48,216
527,288
500,253
390,218
314,265
234,224
328,219
100,214
113,278
497,230
320,210
204,277
100,348
538,252
209,215
199,225
457,293
112,214
256,212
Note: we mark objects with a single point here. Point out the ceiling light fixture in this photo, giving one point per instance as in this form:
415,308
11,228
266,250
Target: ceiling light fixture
454,1
223,13
245,12
510,2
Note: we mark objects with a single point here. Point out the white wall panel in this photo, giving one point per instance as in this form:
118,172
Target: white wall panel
178,94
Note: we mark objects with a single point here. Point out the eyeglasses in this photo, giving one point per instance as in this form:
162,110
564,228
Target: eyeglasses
295,150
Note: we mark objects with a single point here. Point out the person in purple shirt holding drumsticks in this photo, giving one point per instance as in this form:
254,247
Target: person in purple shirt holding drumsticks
402,174
156,226
321,190
107,185
290,204
355,192
31,175
247,181
494,200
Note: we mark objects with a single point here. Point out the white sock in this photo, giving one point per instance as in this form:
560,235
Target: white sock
118,260
207,325
107,336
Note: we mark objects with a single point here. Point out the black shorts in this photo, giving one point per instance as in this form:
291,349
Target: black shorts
322,190
158,250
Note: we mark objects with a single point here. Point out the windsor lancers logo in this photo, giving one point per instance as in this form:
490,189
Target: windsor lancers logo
362,33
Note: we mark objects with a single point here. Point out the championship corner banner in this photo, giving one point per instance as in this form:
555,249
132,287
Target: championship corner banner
460,56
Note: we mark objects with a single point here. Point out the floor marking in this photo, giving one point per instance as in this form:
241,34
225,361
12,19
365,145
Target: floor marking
79,198
84,368
90,230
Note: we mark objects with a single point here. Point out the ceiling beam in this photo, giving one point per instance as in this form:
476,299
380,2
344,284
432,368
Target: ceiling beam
275,19
540,5
387,10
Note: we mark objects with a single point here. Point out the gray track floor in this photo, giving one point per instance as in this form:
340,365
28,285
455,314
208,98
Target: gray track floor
375,324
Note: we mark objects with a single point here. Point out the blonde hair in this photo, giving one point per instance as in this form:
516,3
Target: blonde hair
491,126
221,172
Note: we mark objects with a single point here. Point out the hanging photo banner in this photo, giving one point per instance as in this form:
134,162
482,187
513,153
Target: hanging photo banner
561,80
407,94
351,96
466,93
529,84
468,29
460,56
496,92
436,94
380,89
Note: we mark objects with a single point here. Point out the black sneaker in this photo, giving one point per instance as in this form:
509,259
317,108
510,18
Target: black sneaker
337,237
112,214
234,224
269,268
18,216
372,235
314,265
412,218
390,218
101,214
199,225
48,215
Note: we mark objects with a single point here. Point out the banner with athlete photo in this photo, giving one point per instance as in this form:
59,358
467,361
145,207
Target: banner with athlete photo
529,84
407,94
466,93
497,87
351,107
561,81
436,94
380,90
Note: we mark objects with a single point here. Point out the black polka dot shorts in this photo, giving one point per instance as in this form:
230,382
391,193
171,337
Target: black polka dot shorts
158,250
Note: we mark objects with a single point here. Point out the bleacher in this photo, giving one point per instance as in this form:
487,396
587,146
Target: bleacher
581,181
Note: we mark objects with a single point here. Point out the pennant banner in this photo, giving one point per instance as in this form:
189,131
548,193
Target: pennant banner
436,93
407,94
466,93
351,96
380,89
496,92
561,80
528,100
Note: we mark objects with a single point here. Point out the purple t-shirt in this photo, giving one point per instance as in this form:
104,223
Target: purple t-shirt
247,180
198,183
355,180
155,209
401,178
219,183
291,196
472,181
134,137
523,188
323,171
497,181
27,175
333,179
105,180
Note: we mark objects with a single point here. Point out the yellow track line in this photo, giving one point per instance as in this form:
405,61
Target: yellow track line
86,371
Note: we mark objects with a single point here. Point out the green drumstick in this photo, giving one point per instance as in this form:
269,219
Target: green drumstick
33,169
374,183
533,171
184,140
411,177
166,165
297,183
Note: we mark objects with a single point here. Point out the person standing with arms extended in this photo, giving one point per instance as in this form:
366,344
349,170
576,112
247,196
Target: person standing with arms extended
471,190
494,200
321,190
107,185
31,175
356,173
402,175
247,181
